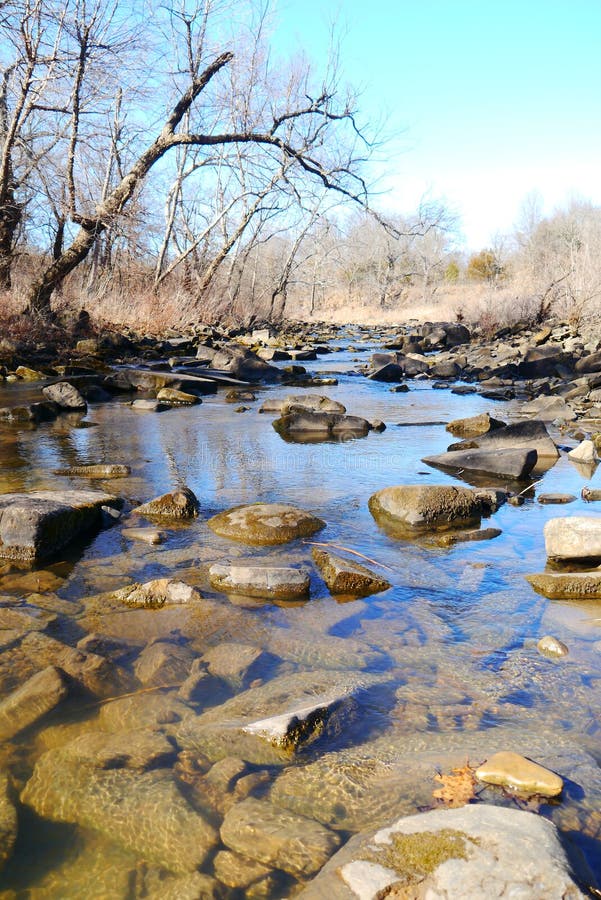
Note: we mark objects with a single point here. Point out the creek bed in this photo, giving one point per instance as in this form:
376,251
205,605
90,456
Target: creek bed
455,634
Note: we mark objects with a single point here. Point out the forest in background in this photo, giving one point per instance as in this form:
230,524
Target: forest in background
160,166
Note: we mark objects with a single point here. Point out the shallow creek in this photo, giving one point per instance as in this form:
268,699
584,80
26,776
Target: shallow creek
456,634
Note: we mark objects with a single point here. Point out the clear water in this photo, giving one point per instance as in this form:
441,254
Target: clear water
456,633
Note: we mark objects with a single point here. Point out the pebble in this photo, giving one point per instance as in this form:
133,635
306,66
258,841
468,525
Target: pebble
551,646
520,774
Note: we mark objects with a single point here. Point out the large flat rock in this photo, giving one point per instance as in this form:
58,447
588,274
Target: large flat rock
411,508
478,851
531,435
35,526
513,464
265,523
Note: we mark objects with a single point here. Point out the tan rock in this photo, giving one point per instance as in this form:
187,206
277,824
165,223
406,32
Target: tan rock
551,646
265,523
518,773
177,398
345,577
567,586
180,504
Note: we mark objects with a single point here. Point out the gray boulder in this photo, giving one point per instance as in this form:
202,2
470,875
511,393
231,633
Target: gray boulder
300,424
65,395
477,851
37,525
513,464
531,435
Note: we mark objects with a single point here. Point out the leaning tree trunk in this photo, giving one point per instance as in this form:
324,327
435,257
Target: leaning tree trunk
41,291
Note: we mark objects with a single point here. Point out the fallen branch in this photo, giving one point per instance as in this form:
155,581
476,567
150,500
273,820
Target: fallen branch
374,562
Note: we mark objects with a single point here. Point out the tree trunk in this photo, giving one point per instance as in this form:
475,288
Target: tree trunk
41,291
10,217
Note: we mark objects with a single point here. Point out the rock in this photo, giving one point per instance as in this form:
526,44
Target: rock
585,452
556,498
530,435
271,723
123,805
590,494
265,523
547,409
195,886
520,774
299,424
478,851
151,710
569,586
149,405
278,838
163,664
411,508
588,364
474,426
177,398
147,535
65,395
238,871
244,364
137,750
97,470
460,537
513,464
235,396
552,646
390,372
234,662
400,389
87,672
573,537
310,402
156,594
180,504
35,526
8,821
34,412
41,693
345,577
27,374
276,582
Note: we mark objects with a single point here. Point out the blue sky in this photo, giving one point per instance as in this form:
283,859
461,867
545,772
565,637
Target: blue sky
488,101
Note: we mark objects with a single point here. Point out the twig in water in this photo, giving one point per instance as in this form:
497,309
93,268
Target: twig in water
374,562
148,690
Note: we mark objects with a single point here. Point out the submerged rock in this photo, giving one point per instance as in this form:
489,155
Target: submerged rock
8,821
35,526
29,703
410,508
277,582
278,838
265,523
520,774
513,464
478,851
269,724
573,537
180,504
145,812
345,577
567,586
552,647
234,663
97,470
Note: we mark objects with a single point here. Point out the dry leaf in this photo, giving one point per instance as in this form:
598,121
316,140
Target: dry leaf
457,789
